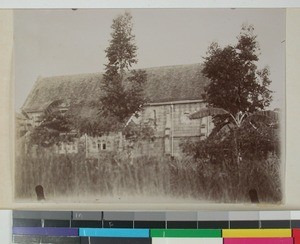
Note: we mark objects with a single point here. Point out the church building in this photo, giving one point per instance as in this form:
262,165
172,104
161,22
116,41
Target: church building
173,92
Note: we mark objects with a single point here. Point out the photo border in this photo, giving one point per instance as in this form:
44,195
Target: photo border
292,179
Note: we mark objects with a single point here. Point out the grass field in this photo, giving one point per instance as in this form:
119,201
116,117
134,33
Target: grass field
113,175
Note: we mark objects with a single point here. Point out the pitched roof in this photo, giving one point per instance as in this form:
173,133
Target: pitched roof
164,84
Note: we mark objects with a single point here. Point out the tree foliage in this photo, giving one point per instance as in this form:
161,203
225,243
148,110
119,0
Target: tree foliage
255,139
237,98
139,131
54,129
123,88
237,84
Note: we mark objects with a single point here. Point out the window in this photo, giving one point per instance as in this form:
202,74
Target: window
154,117
94,145
185,118
103,145
108,145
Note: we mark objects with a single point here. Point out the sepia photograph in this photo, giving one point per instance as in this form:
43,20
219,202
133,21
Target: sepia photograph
149,105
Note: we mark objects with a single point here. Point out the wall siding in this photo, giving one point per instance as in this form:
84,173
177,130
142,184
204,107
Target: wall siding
171,126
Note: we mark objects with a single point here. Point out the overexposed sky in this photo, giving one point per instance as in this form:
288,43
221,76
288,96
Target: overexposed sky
61,42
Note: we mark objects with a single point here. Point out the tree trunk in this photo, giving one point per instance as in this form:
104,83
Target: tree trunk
237,152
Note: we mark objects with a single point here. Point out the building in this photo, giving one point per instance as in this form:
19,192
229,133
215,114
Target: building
173,92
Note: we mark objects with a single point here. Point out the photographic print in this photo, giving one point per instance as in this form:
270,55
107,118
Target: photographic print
149,105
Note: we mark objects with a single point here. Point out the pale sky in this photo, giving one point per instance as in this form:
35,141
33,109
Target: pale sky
62,42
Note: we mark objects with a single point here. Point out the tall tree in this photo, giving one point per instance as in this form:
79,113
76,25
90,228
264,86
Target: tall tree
237,98
237,85
123,88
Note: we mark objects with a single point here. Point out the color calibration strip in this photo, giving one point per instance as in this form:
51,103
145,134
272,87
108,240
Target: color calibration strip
157,227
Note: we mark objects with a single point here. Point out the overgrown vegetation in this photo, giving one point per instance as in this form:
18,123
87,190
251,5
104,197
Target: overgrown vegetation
246,135
112,175
55,128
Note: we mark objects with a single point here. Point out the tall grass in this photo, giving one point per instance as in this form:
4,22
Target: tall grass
74,175
115,175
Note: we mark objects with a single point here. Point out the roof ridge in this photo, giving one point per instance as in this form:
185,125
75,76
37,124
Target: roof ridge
101,73
164,83
173,66
71,75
